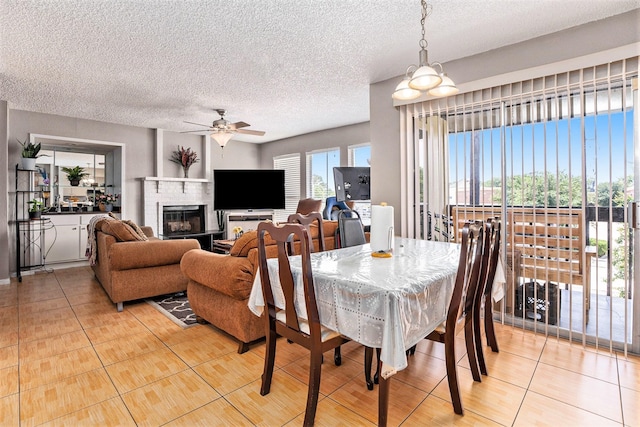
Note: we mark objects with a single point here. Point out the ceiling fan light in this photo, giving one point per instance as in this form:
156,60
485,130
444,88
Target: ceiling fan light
425,78
446,88
405,93
221,138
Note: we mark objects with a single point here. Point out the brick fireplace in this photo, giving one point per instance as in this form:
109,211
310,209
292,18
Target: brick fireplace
170,192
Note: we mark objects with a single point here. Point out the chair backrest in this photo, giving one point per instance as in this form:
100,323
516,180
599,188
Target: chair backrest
332,208
468,275
307,220
306,206
283,235
491,252
350,229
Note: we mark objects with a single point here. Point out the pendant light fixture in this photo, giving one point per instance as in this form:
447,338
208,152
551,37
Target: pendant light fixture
424,77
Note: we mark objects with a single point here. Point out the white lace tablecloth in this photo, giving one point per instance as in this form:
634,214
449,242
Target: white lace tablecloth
387,303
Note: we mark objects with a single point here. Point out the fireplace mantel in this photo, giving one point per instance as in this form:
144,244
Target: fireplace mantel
184,181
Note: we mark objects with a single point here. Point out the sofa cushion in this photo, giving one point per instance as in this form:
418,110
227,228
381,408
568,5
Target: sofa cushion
122,231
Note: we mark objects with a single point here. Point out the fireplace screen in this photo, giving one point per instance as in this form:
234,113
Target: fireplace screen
182,219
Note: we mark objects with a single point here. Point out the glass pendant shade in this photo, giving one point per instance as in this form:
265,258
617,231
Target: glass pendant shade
405,93
222,138
425,78
447,87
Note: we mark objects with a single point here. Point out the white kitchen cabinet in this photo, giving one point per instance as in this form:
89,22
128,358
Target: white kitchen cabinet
67,241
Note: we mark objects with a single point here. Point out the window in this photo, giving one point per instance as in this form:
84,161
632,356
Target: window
360,155
320,166
290,163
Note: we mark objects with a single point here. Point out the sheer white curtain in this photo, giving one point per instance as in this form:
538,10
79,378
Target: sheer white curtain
424,173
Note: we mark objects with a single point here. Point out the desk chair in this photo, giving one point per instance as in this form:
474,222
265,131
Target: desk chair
332,207
285,322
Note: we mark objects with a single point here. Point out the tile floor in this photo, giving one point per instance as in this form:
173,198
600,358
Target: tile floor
68,358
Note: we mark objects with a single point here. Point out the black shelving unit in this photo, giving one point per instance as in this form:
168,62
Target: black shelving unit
29,232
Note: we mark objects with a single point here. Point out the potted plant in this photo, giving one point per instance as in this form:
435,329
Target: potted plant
29,154
36,207
105,201
74,174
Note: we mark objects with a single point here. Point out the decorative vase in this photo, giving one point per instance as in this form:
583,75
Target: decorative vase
185,169
101,207
28,163
108,207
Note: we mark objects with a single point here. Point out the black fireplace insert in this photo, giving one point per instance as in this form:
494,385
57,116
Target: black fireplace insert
184,219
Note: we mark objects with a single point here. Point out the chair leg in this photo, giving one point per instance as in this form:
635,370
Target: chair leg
269,360
243,347
471,350
337,356
315,369
488,326
368,357
477,338
376,376
452,376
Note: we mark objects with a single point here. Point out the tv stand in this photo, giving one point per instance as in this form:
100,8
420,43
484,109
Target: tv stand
246,220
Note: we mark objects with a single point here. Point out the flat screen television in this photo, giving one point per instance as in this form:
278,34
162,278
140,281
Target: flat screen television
248,189
352,183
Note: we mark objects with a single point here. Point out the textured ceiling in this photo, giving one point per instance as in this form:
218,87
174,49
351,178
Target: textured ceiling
287,67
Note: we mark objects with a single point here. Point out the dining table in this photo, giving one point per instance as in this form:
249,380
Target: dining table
390,303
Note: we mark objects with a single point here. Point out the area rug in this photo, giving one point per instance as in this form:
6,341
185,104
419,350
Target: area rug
176,307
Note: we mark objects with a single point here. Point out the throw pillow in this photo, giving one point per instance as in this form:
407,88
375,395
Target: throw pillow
122,231
137,229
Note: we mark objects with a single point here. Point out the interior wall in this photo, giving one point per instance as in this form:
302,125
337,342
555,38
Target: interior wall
341,137
139,159
4,182
567,50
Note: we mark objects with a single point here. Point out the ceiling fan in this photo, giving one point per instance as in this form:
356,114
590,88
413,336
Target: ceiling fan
222,130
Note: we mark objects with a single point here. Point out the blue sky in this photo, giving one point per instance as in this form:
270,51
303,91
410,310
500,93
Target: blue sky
550,145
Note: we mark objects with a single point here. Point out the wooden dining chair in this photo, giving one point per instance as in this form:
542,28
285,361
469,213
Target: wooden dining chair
490,256
459,313
308,333
307,220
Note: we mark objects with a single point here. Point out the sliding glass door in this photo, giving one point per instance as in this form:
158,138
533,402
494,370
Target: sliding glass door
555,159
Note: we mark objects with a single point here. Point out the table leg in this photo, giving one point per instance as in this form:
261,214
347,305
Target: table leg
383,400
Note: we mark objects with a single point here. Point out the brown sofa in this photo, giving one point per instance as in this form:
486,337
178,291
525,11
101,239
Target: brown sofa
219,285
134,269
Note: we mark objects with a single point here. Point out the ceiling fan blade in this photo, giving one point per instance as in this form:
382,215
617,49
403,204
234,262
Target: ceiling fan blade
238,125
196,131
198,124
251,132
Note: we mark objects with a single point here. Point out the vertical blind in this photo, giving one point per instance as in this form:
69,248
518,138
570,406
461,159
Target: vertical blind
290,163
554,152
